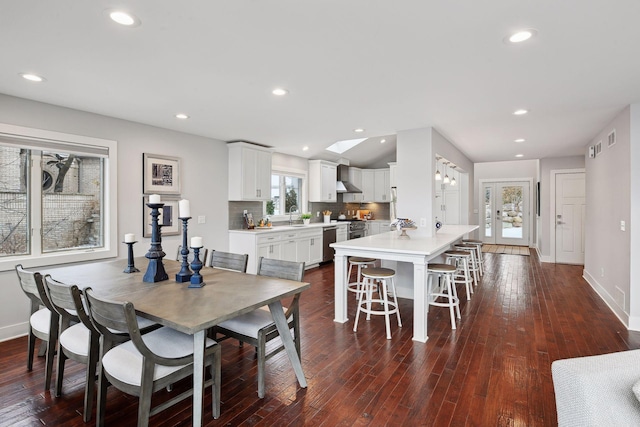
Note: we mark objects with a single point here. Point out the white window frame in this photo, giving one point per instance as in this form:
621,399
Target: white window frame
39,139
297,173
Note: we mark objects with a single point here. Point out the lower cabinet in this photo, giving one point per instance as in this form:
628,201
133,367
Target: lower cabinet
290,245
342,233
377,227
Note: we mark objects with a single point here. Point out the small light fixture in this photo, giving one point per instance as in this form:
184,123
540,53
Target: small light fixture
305,148
382,141
438,174
279,91
453,177
519,155
446,179
32,77
519,140
520,112
522,35
181,116
358,130
123,18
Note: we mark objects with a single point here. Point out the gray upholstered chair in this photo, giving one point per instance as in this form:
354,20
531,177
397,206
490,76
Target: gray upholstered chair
228,261
257,327
145,363
43,321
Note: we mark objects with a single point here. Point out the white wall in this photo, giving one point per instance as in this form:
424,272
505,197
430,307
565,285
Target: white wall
607,248
204,183
544,221
634,232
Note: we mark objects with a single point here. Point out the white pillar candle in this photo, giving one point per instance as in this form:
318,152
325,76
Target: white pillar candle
184,208
154,199
129,238
196,242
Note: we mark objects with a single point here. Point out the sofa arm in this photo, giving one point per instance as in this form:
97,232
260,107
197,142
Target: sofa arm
597,390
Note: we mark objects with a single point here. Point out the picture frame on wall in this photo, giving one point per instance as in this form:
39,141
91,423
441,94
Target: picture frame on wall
161,174
168,217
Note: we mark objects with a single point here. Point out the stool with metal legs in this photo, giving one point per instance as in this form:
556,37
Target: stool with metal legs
479,256
360,263
381,280
473,265
461,259
447,291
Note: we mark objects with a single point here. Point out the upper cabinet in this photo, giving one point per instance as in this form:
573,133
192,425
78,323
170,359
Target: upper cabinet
249,172
392,174
355,177
323,176
375,185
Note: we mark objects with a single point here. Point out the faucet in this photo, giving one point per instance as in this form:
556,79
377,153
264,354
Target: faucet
291,210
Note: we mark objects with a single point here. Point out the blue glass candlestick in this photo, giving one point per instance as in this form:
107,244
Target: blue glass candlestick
155,269
196,265
184,275
130,267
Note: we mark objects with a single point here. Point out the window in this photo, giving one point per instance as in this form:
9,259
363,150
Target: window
287,191
57,197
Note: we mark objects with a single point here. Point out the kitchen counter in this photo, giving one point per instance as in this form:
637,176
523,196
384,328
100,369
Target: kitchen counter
295,227
417,250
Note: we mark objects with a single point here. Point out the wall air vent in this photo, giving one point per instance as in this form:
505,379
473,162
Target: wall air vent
598,148
611,138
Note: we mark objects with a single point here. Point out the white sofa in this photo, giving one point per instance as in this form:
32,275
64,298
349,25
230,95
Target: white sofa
598,390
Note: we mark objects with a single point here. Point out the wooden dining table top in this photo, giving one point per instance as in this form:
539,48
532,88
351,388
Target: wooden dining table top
226,294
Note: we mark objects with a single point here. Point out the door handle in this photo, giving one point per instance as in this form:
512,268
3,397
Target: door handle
560,222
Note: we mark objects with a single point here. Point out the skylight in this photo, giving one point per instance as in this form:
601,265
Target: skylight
342,146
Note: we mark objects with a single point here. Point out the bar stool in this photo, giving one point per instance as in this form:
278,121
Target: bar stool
473,265
479,255
461,260
382,280
449,293
360,263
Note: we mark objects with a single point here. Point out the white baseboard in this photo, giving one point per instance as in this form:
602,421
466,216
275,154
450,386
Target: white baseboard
13,331
604,295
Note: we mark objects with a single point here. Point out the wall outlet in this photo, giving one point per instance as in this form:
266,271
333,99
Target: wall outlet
423,222
318,214
623,226
202,219
601,271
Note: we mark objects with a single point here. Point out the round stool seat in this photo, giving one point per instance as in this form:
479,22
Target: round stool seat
441,268
378,273
458,253
360,260
472,241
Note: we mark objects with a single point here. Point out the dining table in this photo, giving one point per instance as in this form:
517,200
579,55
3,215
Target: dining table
417,249
225,295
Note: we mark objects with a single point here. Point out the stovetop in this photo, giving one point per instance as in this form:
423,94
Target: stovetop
349,219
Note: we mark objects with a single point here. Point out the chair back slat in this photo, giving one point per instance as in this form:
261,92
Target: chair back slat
108,316
59,294
228,261
281,269
33,287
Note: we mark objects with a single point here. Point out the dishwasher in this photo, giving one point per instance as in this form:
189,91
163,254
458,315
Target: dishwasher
328,237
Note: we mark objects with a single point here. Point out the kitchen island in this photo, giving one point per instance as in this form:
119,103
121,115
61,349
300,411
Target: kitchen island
418,250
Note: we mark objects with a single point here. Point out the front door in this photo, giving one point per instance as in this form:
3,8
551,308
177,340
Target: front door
506,213
569,217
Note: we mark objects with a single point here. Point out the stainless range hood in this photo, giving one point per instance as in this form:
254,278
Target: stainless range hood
343,185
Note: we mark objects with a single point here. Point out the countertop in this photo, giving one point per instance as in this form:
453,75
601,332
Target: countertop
416,244
297,227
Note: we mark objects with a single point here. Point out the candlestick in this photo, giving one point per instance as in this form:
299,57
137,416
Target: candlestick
184,209
196,265
129,237
131,268
155,269
185,274
154,199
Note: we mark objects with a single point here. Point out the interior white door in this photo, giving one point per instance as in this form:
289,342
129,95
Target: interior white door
569,217
506,213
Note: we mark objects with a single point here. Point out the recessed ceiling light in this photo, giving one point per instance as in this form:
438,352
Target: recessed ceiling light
32,77
123,18
522,35
520,112
519,140
382,141
358,130
181,116
519,155
279,91
305,148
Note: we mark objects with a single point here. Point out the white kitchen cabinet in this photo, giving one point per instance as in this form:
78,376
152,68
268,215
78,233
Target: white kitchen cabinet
342,233
392,174
323,176
373,228
355,178
368,183
249,172
381,186
310,246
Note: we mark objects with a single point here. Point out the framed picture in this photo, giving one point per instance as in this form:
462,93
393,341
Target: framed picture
168,217
161,174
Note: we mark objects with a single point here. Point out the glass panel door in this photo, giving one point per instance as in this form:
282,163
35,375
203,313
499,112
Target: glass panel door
506,213
487,226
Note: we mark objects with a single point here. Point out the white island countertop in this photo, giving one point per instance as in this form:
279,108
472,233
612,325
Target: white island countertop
417,250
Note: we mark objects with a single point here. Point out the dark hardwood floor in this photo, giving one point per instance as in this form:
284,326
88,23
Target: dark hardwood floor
494,370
